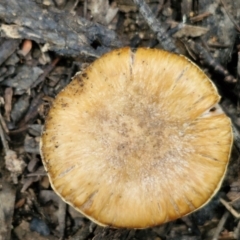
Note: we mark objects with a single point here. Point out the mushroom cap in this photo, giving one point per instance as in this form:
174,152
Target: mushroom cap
137,139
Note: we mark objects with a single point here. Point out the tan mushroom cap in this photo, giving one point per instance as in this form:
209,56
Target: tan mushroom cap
137,139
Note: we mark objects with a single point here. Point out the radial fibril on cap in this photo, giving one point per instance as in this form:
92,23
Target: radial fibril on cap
134,140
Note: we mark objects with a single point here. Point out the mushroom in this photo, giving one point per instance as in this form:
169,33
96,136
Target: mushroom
137,139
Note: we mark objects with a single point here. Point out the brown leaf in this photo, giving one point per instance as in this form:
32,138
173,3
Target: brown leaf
14,164
191,31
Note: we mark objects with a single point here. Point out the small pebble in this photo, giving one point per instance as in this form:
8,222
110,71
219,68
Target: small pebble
39,226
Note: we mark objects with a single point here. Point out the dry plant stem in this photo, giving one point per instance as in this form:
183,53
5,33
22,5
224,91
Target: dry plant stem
4,125
230,16
220,225
8,94
209,61
47,70
28,183
32,111
230,208
85,8
162,35
238,66
160,7
37,205
19,130
218,45
62,217
236,137
3,139
37,174
7,200
237,231
200,17
75,5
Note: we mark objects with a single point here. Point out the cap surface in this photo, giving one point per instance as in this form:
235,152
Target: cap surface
137,139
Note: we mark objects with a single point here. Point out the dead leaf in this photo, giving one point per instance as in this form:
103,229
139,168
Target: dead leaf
14,164
191,31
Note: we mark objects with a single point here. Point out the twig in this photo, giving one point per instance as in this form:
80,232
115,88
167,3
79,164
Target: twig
61,215
8,94
74,5
236,137
230,17
220,225
209,61
32,111
237,231
85,6
4,125
200,17
7,202
159,7
3,139
47,70
230,208
156,26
